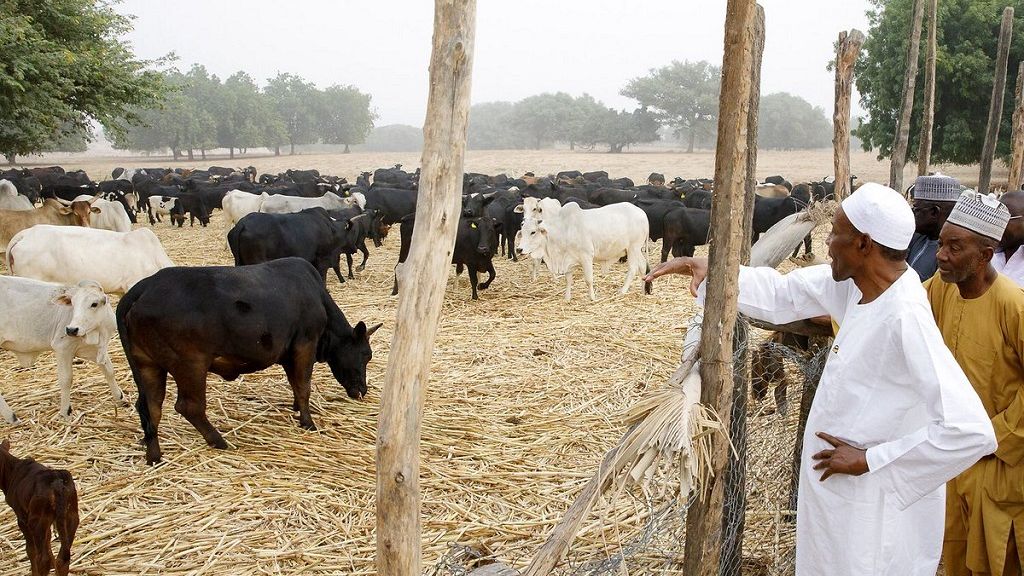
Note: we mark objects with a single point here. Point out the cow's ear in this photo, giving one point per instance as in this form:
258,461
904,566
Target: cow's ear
359,332
62,297
64,211
518,209
95,210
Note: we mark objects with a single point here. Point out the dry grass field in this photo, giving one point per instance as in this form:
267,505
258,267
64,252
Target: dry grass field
527,393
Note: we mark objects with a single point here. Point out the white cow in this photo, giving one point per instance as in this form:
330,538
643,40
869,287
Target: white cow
571,236
238,203
115,260
281,204
112,215
73,321
10,199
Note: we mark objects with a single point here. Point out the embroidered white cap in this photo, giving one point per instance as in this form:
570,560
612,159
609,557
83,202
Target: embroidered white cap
980,213
882,213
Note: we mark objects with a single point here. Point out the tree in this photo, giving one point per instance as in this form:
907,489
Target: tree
394,138
294,100
491,127
545,117
683,95
64,66
787,122
239,113
343,116
965,59
618,129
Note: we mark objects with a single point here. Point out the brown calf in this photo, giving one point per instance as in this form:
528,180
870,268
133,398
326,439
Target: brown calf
51,212
40,497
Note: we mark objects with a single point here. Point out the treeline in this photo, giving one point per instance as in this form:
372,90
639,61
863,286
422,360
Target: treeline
200,112
786,122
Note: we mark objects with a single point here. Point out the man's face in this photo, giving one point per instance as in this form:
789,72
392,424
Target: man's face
843,247
929,216
961,255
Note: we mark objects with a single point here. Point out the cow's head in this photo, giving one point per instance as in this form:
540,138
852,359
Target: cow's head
484,234
80,211
532,239
90,310
473,204
348,355
378,230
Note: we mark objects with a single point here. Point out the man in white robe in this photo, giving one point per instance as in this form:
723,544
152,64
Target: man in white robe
894,417
1009,258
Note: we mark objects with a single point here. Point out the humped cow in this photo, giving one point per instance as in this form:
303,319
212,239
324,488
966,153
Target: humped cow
74,321
58,213
571,236
280,204
115,260
10,199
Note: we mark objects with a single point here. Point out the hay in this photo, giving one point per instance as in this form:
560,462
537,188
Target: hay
527,393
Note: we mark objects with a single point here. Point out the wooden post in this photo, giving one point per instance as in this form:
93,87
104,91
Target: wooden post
704,518
1017,155
995,110
735,504
846,56
924,149
424,277
899,147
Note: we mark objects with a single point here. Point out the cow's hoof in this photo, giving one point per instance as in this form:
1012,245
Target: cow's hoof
308,426
219,444
66,414
13,420
360,268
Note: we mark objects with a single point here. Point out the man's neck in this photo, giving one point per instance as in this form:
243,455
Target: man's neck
877,279
1009,251
977,285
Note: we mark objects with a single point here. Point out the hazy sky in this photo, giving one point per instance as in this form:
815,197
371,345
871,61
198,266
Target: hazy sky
523,47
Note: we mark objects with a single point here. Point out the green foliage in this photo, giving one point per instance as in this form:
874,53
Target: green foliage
683,95
344,115
544,117
294,100
787,122
967,36
64,65
491,127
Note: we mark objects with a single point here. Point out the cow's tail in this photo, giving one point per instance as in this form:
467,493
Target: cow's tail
9,257
648,286
124,308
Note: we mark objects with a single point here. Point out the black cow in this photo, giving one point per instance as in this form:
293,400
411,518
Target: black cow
189,321
698,199
473,204
213,193
311,235
656,211
393,203
359,225
475,245
606,196
768,211
193,205
684,229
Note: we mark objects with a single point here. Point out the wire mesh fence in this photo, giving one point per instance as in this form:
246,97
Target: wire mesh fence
778,373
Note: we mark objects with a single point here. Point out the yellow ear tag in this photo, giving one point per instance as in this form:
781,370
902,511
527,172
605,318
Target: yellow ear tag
472,225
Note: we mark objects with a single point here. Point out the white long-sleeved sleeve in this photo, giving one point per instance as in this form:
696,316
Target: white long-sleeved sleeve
959,431
767,295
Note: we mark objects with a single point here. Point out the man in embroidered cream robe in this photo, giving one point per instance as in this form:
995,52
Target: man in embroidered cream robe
894,417
979,313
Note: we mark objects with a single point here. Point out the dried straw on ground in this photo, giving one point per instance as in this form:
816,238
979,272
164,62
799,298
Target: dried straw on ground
527,393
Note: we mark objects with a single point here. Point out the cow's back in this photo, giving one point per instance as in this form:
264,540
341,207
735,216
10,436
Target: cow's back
28,313
607,231
249,314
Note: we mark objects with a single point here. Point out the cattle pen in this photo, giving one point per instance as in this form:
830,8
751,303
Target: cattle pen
528,392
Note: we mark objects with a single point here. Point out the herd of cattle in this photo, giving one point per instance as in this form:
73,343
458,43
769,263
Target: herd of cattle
69,242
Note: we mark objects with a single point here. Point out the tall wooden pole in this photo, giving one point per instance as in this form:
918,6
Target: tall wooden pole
995,111
846,56
704,518
924,149
902,132
423,284
1017,155
735,504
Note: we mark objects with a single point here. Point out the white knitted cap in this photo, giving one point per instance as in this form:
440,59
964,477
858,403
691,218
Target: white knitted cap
980,213
882,213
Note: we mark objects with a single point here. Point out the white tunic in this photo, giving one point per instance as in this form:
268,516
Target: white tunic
1013,268
891,386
